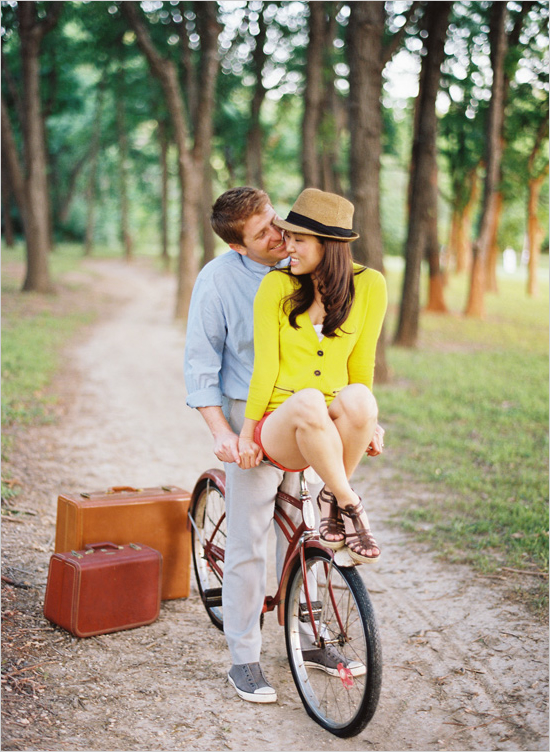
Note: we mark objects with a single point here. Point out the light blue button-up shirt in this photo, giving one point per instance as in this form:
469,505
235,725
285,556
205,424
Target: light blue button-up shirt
219,349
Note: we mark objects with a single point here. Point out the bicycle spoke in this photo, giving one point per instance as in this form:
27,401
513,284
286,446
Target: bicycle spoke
342,698
209,541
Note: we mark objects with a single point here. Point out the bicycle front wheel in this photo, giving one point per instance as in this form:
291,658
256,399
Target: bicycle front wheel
208,536
340,686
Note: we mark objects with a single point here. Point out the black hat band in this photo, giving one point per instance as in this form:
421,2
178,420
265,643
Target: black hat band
317,227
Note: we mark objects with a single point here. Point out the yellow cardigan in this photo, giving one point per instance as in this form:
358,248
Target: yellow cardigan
287,360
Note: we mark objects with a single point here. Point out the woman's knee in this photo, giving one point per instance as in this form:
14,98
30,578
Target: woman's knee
309,407
359,404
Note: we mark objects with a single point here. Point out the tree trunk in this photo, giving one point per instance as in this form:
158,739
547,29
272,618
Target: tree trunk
163,140
13,181
365,30
190,162
491,283
209,30
436,300
66,199
331,121
535,233
36,185
12,165
9,234
460,235
534,229
208,239
91,188
464,244
190,79
475,304
313,96
90,206
423,180
254,174
166,72
36,200
365,59
125,235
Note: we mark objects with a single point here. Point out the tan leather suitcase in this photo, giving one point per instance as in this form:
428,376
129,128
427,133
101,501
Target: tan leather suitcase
104,588
157,517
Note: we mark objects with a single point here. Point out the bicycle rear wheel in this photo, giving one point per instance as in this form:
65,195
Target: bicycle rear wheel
345,701
208,536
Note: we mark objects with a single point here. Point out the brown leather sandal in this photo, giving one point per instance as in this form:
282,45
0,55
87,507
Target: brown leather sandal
362,538
333,524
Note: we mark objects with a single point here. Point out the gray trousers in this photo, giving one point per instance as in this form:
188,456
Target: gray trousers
250,501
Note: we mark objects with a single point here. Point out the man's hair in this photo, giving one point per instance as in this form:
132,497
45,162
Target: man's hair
233,208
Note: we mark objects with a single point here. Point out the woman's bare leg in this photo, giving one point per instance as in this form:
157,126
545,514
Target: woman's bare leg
355,414
303,431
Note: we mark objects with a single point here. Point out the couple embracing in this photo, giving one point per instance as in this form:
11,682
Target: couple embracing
279,360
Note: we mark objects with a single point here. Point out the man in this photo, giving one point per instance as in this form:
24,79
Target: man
219,358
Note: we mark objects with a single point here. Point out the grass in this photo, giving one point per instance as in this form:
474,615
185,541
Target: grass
466,414
35,330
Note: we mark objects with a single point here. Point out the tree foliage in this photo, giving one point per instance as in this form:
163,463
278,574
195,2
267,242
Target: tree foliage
284,111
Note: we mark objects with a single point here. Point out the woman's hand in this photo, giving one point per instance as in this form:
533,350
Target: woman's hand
376,446
250,453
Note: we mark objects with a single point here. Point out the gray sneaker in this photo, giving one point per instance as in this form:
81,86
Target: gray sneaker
250,683
329,658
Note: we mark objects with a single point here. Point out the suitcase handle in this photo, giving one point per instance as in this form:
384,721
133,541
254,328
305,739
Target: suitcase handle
105,544
114,489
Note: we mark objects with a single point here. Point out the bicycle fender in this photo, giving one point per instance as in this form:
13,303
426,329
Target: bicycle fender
215,475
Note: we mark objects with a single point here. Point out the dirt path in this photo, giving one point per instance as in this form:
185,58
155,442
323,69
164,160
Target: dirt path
465,667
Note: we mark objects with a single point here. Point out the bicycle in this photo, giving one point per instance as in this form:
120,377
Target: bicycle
317,595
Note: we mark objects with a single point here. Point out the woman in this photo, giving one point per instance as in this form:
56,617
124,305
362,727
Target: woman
316,325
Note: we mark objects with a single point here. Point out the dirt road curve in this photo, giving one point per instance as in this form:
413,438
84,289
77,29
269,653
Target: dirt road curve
465,667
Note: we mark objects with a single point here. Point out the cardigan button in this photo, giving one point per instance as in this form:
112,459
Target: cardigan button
320,352
317,373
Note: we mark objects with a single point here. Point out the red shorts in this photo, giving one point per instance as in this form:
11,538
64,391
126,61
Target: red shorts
258,440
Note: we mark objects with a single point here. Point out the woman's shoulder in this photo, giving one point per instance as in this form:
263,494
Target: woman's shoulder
278,279
364,276
275,286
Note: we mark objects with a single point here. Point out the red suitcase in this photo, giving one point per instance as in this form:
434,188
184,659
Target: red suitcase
104,588
155,516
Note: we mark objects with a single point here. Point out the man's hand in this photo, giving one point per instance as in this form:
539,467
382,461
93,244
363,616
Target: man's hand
226,447
376,446
250,454
226,442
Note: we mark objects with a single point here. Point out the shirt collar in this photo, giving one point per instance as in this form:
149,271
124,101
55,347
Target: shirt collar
256,268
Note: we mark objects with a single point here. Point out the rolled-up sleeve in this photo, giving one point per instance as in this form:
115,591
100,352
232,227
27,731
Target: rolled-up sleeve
204,346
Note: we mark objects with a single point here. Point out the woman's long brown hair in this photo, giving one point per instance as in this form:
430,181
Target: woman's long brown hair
334,277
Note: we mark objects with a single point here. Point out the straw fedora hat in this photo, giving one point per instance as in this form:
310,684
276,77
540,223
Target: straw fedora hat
320,213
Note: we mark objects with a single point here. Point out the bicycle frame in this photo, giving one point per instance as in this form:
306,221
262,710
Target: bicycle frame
299,537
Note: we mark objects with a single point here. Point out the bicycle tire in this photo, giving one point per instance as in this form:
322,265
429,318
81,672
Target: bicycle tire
208,538
341,704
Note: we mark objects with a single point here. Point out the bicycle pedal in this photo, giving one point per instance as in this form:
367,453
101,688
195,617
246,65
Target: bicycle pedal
343,559
316,607
212,597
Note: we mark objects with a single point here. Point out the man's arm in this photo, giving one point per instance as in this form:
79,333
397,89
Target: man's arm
203,358
226,442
